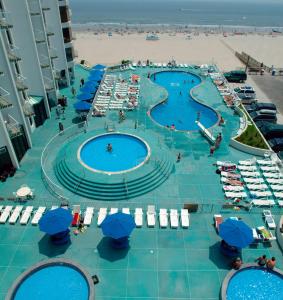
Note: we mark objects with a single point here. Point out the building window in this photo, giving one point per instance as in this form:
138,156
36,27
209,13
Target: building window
64,14
67,35
17,68
69,54
9,37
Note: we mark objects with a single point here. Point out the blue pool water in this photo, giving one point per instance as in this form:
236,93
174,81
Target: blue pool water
180,109
53,283
127,152
255,283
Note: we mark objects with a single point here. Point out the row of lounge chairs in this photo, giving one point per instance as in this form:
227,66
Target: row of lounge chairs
160,65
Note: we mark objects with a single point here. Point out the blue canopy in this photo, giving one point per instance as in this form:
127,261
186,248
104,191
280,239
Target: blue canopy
95,77
88,89
82,106
236,233
85,97
92,84
97,72
99,67
55,221
118,225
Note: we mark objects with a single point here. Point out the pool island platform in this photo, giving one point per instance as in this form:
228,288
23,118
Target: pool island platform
158,258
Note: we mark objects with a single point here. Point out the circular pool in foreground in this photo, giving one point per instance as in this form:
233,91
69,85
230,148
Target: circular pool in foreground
253,282
51,280
128,153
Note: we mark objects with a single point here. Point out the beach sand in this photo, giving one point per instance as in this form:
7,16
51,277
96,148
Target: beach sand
214,48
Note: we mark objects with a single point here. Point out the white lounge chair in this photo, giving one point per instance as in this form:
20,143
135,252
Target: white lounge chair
126,210
174,218
235,194
269,169
230,175
257,187
272,175
250,174
102,213
5,214
26,215
113,210
260,194
138,217
248,162
266,234
54,207
278,195
274,181
88,215
15,215
232,188
247,168
263,202
185,218
40,211
269,219
253,180
263,162
280,203
150,215
220,163
257,237
163,217
276,188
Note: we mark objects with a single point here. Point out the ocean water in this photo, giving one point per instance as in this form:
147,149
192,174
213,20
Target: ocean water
257,13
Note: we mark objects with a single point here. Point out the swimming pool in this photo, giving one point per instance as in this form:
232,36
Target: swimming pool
53,280
180,108
128,153
255,283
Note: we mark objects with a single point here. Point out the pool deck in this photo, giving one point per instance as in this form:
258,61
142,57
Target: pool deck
161,264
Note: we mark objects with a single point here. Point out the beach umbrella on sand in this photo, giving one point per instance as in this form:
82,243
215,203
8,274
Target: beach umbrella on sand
236,233
82,106
85,97
55,221
99,67
118,227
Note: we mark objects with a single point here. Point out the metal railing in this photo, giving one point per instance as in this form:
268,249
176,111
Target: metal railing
5,20
53,52
34,7
39,36
4,102
48,83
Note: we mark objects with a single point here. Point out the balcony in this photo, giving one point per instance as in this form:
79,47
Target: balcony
64,14
14,54
34,8
63,2
44,61
53,53
5,20
48,84
39,36
56,74
45,7
21,83
14,127
4,102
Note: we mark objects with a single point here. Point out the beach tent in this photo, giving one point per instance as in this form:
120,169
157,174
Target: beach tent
82,106
85,97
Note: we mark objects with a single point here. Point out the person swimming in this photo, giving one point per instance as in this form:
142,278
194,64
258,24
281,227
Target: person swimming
109,148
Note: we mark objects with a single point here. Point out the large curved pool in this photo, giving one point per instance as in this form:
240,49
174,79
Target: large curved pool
128,153
180,108
53,283
255,283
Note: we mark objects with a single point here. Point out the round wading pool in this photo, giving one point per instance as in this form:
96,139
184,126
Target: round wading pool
127,153
52,280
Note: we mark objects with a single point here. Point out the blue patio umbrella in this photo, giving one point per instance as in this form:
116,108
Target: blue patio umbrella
55,221
236,233
95,77
118,226
97,72
82,106
92,84
88,89
99,67
85,97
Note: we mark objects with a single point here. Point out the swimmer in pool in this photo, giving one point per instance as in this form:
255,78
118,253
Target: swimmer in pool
109,148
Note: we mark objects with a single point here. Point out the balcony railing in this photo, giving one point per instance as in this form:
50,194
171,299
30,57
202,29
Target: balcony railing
56,74
44,61
53,53
14,127
49,31
34,8
5,20
39,36
21,83
4,102
63,2
48,83
14,54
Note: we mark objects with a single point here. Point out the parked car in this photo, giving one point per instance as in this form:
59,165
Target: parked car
276,144
260,106
236,76
270,131
245,93
257,116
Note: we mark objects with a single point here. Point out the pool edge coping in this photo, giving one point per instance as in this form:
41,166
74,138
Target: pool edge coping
191,94
119,172
50,262
232,272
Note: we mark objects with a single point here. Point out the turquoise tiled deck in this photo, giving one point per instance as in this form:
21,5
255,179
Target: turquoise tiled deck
160,264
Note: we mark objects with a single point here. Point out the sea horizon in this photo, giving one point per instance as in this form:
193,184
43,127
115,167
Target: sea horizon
202,13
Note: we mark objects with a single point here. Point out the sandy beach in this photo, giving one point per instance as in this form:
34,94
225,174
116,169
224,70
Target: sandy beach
197,49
